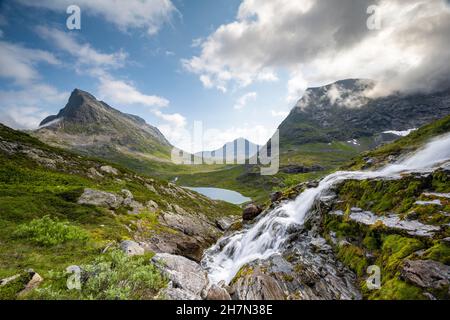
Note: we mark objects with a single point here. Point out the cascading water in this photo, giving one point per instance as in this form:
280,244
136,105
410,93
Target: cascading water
267,236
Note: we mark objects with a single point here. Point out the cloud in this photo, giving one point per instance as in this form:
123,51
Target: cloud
121,93
214,138
141,14
83,52
22,109
19,63
97,64
296,85
246,98
326,41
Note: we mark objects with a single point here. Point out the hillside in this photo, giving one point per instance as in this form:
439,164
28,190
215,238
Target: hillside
397,223
59,209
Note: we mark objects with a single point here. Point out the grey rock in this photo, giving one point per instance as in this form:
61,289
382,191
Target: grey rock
427,274
131,248
100,199
185,274
110,170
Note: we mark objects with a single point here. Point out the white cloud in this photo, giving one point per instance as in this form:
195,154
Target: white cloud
142,14
83,52
22,109
122,93
245,99
320,42
214,138
296,86
19,63
95,64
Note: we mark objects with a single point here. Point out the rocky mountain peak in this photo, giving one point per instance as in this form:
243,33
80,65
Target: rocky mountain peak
85,121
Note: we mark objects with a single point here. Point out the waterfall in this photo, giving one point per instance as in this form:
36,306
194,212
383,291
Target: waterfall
267,236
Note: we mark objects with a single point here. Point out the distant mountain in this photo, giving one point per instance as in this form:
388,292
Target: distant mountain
341,112
93,127
237,149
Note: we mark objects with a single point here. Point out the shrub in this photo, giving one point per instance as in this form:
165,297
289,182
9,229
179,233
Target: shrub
111,276
48,232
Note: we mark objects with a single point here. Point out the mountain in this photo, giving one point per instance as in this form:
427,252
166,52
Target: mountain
240,148
327,127
342,112
93,127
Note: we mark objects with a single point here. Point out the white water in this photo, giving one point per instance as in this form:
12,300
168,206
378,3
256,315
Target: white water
267,236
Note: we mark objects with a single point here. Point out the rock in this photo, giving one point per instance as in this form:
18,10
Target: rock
393,221
320,244
110,170
132,248
186,276
5,281
312,184
152,206
251,212
257,286
34,282
225,223
93,173
274,197
446,240
427,274
100,199
216,292
436,202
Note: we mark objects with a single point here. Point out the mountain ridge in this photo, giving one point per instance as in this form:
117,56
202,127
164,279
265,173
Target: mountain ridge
94,127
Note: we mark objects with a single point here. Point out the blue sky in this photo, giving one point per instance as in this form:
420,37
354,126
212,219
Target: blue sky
238,66
152,66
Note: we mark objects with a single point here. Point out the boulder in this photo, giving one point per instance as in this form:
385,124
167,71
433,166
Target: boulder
257,286
251,212
225,223
100,199
427,274
216,292
275,196
131,248
187,277
110,170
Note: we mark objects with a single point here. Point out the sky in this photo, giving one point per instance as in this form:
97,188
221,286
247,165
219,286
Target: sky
238,66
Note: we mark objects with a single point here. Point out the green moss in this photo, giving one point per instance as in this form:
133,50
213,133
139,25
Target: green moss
395,289
244,271
439,252
354,258
395,248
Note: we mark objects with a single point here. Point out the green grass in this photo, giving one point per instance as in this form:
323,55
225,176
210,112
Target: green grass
111,276
44,228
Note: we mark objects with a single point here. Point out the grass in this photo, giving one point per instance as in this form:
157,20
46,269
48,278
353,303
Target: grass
111,276
44,228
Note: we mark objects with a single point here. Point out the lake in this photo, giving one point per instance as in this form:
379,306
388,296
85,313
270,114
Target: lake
221,194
